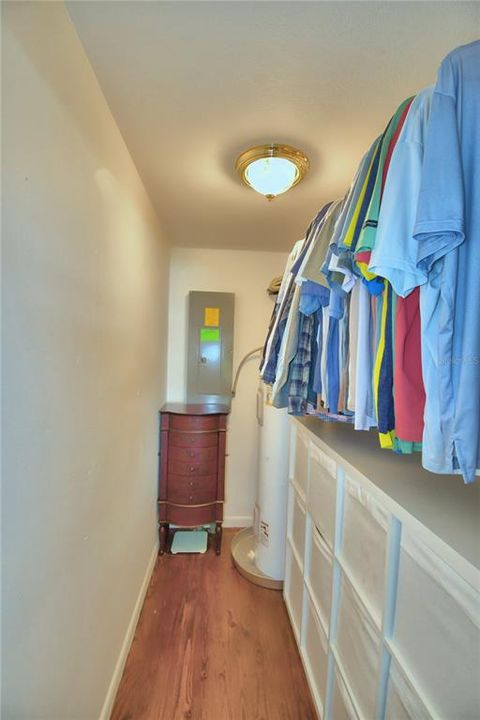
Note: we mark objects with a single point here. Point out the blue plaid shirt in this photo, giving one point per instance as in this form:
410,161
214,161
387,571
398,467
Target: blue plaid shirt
270,370
300,369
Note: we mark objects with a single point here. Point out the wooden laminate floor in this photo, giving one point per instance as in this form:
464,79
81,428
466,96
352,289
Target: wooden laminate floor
209,645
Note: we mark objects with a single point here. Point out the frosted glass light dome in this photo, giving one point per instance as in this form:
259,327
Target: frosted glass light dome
272,169
271,176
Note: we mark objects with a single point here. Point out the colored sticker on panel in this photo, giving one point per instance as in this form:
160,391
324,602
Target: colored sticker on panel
209,335
212,317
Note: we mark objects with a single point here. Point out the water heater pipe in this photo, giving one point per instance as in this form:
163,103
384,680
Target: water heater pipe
244,360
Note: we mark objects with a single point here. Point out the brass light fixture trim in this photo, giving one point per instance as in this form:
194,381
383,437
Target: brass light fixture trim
272,150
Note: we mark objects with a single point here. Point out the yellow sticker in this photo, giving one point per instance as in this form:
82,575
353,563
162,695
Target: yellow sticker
212,317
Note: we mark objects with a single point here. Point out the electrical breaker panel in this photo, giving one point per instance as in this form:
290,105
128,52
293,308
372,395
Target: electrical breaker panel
210,347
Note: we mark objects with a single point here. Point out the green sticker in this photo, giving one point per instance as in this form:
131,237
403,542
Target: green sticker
209,335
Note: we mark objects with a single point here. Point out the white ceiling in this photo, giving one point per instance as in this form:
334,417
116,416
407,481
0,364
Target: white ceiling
191,84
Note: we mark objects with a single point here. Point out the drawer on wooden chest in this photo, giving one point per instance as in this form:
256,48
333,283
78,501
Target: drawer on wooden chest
195,454
184,483
193,440
191,516
193,422
183,494
191,469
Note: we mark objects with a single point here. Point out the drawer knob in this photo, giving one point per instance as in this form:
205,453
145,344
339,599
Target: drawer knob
190,497
192,454
191,483
192,469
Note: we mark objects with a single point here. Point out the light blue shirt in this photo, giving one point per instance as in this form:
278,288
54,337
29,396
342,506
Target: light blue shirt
447,230
394,256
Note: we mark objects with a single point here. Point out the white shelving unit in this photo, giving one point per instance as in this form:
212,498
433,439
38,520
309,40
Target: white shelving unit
382,592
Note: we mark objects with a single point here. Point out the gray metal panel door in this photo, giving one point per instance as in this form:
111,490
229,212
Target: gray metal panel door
210,347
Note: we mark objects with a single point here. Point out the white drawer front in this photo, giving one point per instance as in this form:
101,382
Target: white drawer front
298,526
357,647
403,701
316,653
364,545
342,704
319,576
322,493
300,467
294,591
437,631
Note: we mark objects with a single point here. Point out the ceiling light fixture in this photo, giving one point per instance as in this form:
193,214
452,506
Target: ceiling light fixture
272,169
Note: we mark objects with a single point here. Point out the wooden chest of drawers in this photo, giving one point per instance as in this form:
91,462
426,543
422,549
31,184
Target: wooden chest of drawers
191,468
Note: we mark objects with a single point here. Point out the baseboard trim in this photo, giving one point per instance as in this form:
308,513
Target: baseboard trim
237,521
127,641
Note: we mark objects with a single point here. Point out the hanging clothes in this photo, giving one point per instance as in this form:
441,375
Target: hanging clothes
310,269
277,368
287,352
391,258
280,313
366,239
447,231
376,325
300,375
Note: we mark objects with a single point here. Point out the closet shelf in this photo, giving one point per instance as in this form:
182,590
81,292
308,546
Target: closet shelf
442,503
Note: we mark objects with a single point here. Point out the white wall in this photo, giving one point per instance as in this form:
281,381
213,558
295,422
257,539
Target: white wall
247,274
85,276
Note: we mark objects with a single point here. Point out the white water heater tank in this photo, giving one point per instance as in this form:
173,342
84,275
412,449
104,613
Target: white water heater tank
271,508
